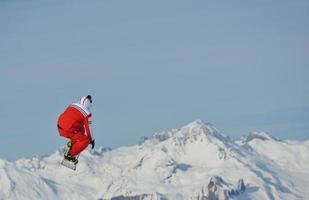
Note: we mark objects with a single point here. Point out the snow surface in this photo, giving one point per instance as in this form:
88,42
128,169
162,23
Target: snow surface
193,162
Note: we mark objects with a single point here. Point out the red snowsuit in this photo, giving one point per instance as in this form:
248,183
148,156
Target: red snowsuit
73,123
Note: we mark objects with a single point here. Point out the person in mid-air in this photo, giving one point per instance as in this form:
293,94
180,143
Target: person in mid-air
74,124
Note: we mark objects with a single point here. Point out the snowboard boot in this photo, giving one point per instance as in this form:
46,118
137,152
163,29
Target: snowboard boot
69,157
69,144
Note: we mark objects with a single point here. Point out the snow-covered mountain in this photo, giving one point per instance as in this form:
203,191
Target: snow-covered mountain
193,162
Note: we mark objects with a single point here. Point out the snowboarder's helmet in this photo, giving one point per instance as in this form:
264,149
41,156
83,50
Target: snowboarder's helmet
86,101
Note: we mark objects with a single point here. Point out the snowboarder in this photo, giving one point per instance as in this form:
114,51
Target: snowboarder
74,124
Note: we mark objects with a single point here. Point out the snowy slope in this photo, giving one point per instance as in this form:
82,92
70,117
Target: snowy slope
193,162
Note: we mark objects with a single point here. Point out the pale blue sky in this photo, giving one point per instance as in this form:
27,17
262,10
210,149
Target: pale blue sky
152,66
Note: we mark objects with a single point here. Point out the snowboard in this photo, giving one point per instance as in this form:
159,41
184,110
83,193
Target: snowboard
69,164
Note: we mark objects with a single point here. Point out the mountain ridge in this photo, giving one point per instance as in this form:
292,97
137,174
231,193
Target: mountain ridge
192,162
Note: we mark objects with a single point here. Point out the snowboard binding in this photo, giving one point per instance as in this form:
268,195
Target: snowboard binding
69,157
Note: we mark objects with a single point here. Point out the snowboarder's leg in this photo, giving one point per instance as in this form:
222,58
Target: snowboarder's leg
79,145
67,154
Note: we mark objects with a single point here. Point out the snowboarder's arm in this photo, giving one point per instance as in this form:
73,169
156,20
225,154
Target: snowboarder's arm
87,127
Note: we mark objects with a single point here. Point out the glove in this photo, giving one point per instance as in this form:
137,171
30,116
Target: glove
92,143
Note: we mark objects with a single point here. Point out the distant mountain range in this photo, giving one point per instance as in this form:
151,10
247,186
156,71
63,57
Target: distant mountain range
195,162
